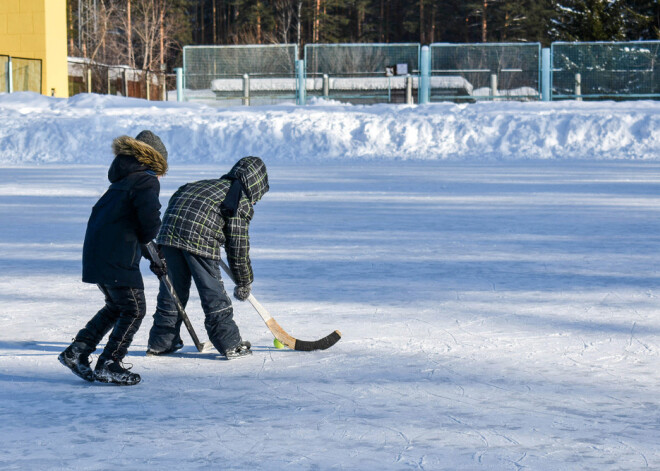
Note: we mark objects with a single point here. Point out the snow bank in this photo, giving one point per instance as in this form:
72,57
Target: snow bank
38,129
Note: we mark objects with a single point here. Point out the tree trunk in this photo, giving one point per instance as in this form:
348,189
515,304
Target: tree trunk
129,32
421,21
258,22
70,27
359,22
317,20
162,34
484,24
201,6
381,35
215,29
298,28
432,38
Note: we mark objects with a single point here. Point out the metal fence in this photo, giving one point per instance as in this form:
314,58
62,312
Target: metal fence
257,74
25,74
485,71
606,70
362,73
373,73
90,77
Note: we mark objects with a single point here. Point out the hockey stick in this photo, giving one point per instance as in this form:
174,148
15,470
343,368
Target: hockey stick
153,253
279,333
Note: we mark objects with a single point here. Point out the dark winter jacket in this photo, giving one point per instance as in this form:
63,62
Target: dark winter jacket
127,215
196,220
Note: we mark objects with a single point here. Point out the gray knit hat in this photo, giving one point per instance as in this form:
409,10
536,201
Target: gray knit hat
154,141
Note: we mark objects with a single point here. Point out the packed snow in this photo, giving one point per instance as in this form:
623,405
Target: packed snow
492,268
38,129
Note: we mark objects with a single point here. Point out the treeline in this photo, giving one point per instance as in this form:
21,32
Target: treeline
150,34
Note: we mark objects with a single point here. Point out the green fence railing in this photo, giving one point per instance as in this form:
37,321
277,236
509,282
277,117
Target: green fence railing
257,74
409,73
485,71
362,73
625,70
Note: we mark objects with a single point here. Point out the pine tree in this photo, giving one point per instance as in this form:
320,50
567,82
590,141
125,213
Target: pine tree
590,20
642,19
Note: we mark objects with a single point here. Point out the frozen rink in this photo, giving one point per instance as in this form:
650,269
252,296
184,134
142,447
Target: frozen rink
498,315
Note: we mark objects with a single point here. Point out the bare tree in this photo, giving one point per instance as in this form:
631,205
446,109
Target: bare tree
284,12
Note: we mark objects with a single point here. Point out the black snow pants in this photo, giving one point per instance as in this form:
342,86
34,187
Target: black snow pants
122,314
182,268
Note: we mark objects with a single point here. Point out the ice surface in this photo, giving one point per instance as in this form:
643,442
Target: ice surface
494,316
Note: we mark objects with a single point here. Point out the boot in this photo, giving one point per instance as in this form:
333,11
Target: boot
76,358
111,371
177,346
242,350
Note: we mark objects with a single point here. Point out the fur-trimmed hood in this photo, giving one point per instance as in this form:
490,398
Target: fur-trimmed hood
143,153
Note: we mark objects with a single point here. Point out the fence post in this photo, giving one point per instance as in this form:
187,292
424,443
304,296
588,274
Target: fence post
10,78
246,90
326,86
125,75
302,83
493,86
546,67
89,80
109,82
148,84
424,90
578,87
163,88
409,82
179,83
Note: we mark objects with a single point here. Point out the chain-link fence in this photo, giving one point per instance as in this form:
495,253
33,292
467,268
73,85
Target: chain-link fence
485,71
25,74
256,74
362,73
606,70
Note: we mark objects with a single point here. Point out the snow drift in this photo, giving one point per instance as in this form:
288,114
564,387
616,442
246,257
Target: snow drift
38,129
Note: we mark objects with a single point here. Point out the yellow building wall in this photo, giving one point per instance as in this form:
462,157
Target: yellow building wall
36,29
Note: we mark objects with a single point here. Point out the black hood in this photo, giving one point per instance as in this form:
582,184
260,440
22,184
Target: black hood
122,166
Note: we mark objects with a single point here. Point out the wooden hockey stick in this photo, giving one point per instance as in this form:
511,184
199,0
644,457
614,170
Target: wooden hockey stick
153,253
279,333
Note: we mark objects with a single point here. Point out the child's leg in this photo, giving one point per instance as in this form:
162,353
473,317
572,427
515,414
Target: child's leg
99,325
220,326
165,334
131,304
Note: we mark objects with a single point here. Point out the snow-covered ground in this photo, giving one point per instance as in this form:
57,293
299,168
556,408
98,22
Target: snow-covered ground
37,129
497,313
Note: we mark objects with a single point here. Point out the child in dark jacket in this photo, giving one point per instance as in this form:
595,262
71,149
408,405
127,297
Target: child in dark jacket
126,216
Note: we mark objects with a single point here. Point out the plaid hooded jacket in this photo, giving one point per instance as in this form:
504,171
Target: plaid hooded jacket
195,220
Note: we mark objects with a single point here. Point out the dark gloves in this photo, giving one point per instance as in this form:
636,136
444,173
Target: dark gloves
242,292
158,265
159,268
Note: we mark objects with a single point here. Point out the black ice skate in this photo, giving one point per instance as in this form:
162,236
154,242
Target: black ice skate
174,348
77,360
241,351
110,371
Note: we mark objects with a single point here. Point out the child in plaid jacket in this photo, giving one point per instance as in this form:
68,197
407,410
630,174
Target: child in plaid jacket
202,217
